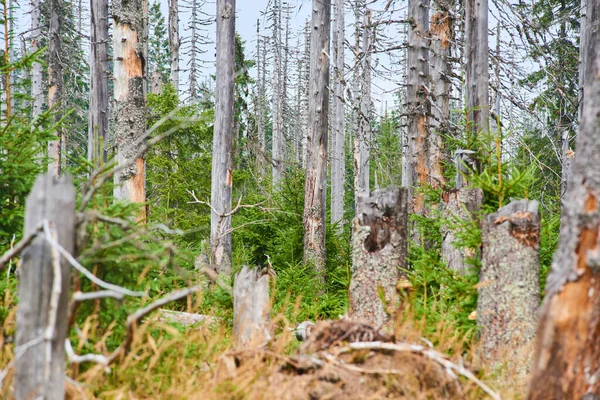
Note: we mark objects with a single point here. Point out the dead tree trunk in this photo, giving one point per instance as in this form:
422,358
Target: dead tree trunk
260,98
418,102
315,188
362,138
509,293
251,309
477,70
129,107
55,85
44,292
567,360
174,42
590,16
276,140
339,122
222,162
37,73
460,205
380,249
98,124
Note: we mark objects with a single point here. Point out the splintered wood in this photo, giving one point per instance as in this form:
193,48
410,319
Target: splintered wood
251,309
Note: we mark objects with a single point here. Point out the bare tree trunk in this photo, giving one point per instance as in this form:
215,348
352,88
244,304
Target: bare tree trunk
174,42
98,123
339,125
590,17
362,138
318,115
36,76
477,69
380,249
276,140
418,102
44,292
567,360
305,93
566,161
260,103
193,41
129,109
509,295
55,84
222,162
251,309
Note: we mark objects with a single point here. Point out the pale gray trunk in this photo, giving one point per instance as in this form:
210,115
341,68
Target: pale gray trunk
509,293
338,126
567,360
566,161
379,252
285,117
590,16
37,74
260,83
418,102
251,309
174,42
477,70
318,116
128,120
44,294
276,140
99,71
301,116
305,92
193,43
222,161
356,86
55,85
362,138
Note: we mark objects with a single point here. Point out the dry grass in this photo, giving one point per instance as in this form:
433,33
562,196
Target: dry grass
197,362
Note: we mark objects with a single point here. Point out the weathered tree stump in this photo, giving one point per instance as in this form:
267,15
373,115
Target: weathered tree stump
43,296
509,292
251,308
380,248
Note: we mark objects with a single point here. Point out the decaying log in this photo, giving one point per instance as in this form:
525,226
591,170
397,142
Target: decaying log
43,294
509,289
379,254
251,308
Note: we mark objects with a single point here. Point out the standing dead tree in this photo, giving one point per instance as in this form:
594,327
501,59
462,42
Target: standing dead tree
509,293
44,291
379,252
315,188
251,308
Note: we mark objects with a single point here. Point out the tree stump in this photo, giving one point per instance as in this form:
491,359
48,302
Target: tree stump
43,297
251,308
509,292
380,248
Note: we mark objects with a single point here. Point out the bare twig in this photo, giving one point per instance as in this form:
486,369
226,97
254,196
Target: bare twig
102,294
21,245
79,359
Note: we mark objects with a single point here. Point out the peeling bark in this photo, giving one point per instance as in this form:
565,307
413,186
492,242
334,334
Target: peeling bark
379,251
567,359
222,161
509,282
315,188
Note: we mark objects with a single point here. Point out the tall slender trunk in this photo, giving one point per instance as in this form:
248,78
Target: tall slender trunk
129,110
339,122
222,161
174,42
7,49
36,75
590,16
362,137
55,84
477,71
567,360
418,102
98,123
318,117
276,140
305,92
260,84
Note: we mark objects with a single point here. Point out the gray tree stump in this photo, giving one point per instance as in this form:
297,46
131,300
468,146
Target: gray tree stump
380,248
509,293
251,308
40,365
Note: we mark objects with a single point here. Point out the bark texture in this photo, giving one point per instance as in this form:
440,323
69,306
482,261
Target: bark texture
509,293
55,85
338,126
99,71
315,188
276,112
129,106
222,161
418,101
362,137
40,371
477,70
37,74
380,248
567,359
174,42
590,17
251,309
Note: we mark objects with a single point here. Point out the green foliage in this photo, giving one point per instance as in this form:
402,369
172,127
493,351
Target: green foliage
159,54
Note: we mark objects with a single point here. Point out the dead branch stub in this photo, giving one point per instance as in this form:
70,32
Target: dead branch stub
43,294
